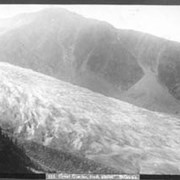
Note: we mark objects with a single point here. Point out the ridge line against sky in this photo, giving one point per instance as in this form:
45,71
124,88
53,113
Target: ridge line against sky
162,21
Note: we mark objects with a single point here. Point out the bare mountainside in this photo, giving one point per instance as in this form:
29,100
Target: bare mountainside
56,114
91,53
151,94
158,89
70,47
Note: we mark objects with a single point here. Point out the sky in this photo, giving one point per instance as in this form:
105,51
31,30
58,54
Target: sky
162,21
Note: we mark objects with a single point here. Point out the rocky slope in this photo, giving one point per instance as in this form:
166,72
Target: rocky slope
29,158
150,93
70,47
56,114
158,89
12,157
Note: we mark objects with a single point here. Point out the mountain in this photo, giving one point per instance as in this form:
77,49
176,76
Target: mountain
61,116
8,24
158,89
70,47
92,54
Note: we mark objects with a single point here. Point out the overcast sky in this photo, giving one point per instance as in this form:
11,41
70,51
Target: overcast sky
163,21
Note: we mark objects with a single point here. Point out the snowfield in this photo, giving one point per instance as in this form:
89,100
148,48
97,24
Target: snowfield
63,116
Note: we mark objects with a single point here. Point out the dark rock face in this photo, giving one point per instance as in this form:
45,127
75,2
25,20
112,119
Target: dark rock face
12,157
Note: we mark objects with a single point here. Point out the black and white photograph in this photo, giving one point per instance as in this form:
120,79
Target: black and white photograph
89,89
